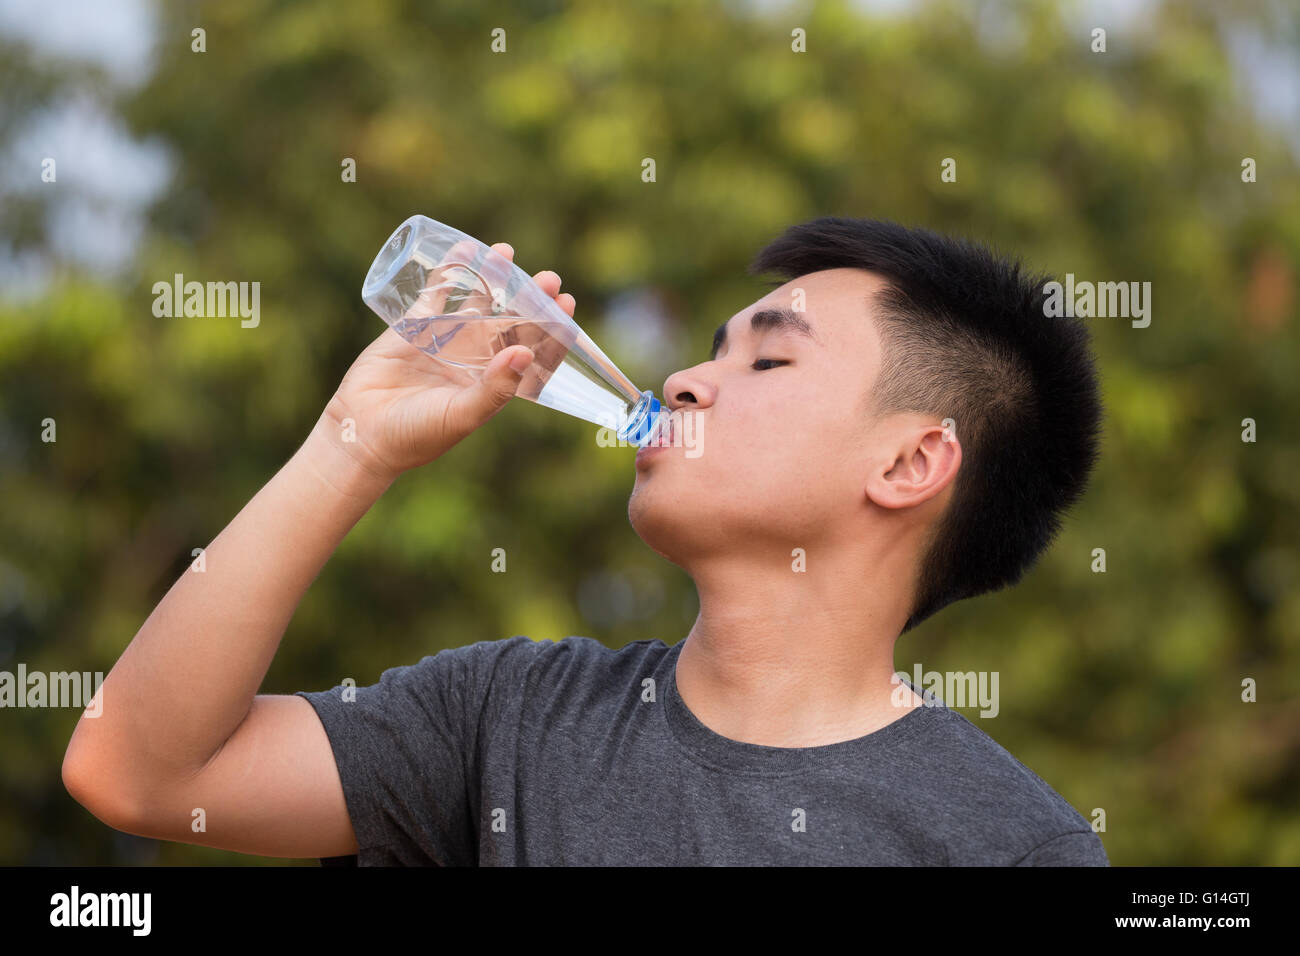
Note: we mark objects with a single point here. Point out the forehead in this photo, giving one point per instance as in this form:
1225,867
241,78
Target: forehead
837,303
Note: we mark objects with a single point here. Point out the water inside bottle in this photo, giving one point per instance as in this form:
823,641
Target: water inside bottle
471,326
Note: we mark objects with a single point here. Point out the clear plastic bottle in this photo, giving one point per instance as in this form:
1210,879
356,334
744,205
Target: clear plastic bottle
459,301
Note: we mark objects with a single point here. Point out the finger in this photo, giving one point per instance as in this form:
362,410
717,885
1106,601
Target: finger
433,297
497,274
474,405
567,303
548,282
462,274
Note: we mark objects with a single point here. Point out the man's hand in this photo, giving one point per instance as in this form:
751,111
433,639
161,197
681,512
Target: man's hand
406,408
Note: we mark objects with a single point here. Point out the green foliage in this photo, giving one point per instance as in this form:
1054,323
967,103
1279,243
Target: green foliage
1122,689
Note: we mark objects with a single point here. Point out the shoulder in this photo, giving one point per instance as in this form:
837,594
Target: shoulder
573,648
587,651
994,797
479,670
548,664
584,660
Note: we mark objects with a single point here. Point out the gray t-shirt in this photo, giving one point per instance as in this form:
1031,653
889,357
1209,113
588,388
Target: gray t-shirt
516,752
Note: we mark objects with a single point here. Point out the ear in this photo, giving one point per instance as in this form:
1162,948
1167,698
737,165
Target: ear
925,460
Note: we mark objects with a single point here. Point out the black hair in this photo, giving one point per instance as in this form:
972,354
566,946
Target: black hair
965,336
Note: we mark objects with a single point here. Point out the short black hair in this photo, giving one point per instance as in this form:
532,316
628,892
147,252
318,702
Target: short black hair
965,336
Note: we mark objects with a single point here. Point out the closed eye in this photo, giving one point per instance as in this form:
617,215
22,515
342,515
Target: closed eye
767,363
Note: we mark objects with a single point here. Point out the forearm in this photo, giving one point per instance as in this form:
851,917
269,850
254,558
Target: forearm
189,676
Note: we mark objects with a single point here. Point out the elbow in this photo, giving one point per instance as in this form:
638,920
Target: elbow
90,781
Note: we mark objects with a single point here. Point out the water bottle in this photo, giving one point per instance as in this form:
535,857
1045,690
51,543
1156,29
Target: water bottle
461,302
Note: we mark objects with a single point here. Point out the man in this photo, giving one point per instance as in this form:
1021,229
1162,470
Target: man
895,427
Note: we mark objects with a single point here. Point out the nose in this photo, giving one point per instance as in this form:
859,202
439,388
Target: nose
689,388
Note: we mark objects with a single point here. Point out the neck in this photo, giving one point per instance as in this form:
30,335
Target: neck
787,658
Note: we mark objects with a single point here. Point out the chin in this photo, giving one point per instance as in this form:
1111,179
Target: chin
661,527
679,533
647,522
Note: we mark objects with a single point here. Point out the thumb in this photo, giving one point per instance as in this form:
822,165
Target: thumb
500,379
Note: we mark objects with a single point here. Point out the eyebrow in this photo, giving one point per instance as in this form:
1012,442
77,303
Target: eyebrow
767,320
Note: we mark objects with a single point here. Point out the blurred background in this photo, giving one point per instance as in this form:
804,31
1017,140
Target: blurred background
1122,689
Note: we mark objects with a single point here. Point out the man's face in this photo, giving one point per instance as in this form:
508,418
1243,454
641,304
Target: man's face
776,455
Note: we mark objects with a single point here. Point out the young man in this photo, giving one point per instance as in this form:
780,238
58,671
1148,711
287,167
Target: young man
896,427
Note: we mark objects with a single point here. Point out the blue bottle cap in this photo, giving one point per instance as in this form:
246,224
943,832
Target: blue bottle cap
643,419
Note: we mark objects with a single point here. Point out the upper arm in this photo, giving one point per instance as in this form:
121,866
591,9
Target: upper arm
273,789
410,749
391,769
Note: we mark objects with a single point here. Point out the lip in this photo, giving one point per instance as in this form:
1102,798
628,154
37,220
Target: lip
648,450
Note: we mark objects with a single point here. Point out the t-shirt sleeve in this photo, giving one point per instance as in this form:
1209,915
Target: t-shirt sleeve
1079,848
409,750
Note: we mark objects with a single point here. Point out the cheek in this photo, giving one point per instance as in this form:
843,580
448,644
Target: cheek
767,484
803,468
787,440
